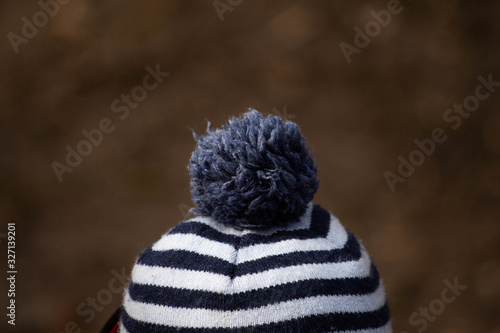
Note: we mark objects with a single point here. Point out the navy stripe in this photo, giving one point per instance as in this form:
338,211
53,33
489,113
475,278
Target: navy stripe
332,322
320,224
186,298
350,252
204,230
320,221
183,259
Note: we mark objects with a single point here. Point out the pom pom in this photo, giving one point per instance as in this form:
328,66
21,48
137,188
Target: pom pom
252,173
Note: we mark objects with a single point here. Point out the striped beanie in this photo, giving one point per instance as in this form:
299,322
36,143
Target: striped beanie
258,256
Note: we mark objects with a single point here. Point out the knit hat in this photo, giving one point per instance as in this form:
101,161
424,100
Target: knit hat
258,256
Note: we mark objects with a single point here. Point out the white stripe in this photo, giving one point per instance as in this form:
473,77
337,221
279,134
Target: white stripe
197,244
387,328
198,318
205,281
181,278
303,223
122,329
338,238
348,269
337,233
222,228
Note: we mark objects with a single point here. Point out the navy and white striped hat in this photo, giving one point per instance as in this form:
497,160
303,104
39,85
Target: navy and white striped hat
259,256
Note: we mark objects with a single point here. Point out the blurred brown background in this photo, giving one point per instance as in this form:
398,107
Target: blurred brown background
280,57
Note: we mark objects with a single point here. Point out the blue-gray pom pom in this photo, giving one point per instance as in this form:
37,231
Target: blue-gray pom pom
254,172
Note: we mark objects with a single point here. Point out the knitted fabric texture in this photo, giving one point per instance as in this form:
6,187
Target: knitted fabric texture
253,173
256,271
